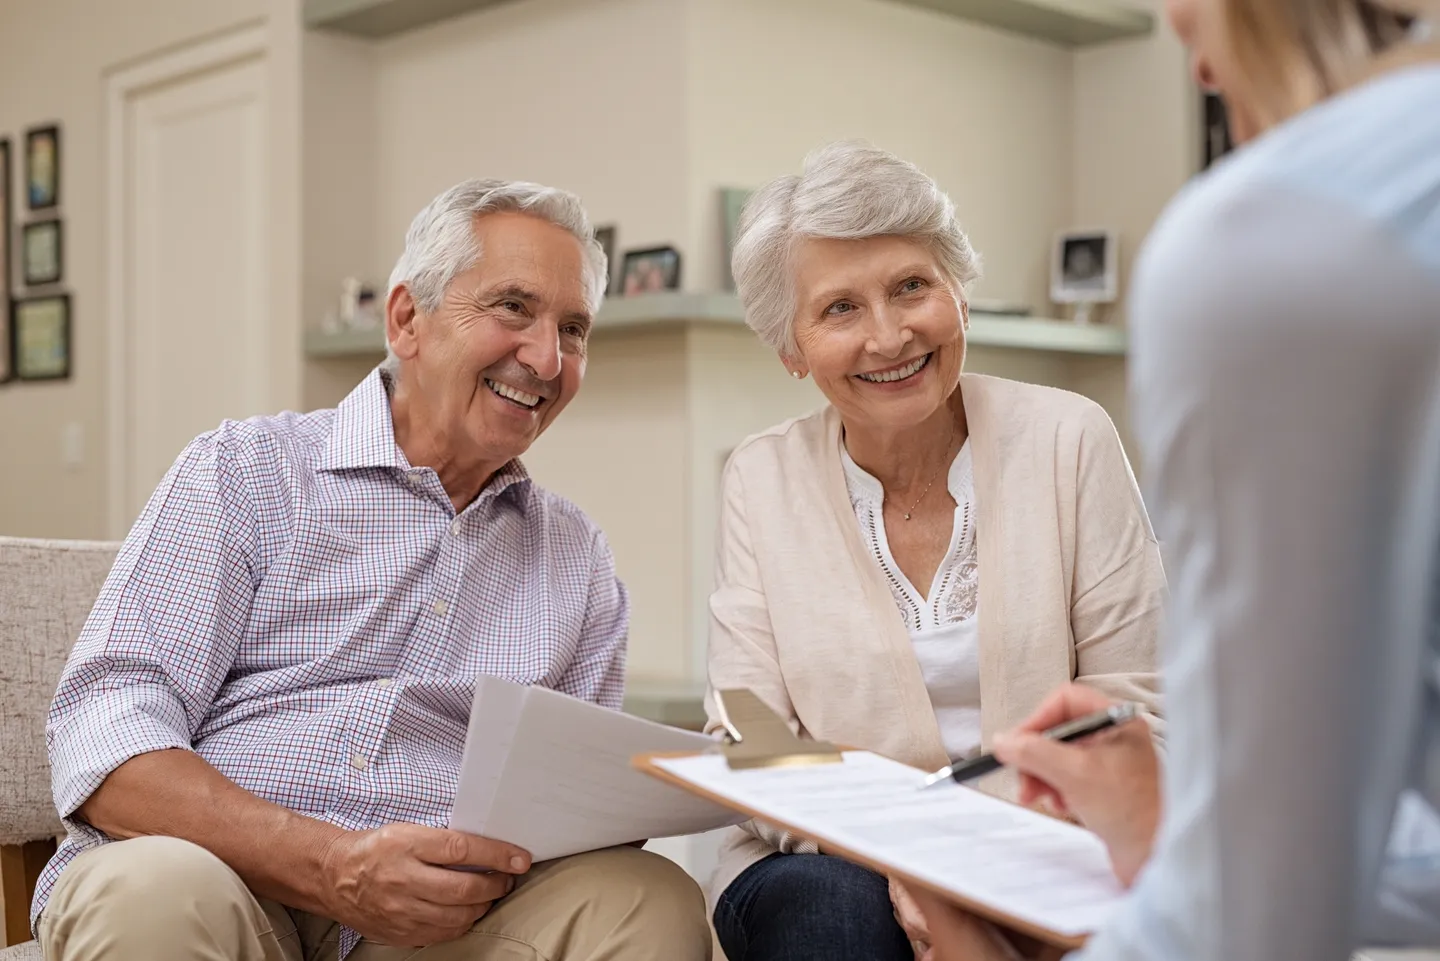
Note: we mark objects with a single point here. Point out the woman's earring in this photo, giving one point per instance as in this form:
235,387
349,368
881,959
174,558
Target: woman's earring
797,375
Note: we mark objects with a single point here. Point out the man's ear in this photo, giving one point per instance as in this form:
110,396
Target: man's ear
400,315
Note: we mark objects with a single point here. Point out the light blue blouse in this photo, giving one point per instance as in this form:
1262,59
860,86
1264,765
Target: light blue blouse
1286,397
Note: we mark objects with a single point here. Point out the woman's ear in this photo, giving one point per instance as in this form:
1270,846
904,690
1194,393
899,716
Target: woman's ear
795,365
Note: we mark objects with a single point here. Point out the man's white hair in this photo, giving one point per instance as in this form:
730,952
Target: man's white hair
850,191
441,241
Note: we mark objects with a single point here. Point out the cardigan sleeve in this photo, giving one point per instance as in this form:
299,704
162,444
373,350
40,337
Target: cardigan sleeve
742,643
1119,583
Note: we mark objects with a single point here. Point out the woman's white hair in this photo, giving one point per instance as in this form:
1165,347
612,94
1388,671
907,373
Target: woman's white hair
441,241
847,191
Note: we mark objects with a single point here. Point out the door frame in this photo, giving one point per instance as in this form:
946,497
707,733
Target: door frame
212,53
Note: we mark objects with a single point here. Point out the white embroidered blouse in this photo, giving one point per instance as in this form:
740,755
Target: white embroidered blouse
942,622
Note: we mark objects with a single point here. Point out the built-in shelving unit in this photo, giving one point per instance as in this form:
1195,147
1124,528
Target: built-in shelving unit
1022,333
1070,23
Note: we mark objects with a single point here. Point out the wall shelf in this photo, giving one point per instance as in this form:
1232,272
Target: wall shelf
1021,333
1070,23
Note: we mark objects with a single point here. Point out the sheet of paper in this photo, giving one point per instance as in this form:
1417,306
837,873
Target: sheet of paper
552,774
1023,864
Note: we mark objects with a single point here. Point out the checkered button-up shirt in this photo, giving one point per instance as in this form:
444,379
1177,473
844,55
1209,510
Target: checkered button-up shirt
305,610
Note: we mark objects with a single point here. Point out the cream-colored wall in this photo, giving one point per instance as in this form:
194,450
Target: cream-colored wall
339,206
620,451
582,94
54,55
988,114
1136,135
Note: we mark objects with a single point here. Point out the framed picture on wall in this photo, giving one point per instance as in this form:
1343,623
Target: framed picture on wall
40,337
1215,130
41,253
6,233
42,167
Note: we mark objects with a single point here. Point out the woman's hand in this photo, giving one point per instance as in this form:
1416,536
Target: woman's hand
910,918
1109,781
957,934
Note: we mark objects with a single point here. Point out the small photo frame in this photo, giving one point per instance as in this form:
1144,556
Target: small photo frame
6,234
1215,133
605,237
732,204
42,167
650,270
1085,267
40,337
41,253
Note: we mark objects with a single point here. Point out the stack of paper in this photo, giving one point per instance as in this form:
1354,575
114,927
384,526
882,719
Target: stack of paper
552,774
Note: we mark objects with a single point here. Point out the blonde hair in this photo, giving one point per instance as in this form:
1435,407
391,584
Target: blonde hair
1291,54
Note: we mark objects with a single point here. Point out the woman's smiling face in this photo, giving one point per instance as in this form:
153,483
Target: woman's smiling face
880,326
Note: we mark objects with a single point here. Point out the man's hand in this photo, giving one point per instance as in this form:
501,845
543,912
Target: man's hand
1109,781
398,885
909,917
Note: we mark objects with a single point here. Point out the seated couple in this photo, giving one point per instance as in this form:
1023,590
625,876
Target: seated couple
256,741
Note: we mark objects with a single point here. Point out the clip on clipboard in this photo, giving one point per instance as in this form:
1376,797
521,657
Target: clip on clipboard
755,736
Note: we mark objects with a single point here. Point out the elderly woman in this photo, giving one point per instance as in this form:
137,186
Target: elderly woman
911,569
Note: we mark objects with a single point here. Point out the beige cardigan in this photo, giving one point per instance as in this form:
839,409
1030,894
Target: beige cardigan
1070,584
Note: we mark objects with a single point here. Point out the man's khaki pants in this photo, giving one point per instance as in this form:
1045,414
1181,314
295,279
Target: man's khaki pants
163,899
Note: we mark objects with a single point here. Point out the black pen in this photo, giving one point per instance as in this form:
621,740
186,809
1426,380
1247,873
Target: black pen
962,771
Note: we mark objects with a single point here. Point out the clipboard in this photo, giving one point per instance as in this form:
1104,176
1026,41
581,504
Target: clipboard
758,738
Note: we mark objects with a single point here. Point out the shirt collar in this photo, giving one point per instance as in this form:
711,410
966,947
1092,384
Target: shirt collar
363,435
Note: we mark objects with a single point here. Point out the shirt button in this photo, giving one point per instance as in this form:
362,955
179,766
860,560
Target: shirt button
414,479
441,608
385,682
359,762
455,527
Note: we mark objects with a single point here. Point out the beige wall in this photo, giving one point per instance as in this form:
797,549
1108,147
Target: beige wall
582,94
54,55
988,114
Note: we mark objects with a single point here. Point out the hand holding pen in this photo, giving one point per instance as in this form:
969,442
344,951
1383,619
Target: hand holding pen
1109,782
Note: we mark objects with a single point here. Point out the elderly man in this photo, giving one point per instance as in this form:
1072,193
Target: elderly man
257,739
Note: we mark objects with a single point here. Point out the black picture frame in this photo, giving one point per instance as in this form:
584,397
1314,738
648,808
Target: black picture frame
27,368
7,239
666,260
42,192
605,237
35,275
1215,139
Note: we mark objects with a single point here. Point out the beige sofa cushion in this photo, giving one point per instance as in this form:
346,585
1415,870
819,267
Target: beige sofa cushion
46,591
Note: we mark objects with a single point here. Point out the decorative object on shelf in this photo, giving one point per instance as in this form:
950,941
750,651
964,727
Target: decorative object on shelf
650,270
41,253
42,167
1215,133
732,202
605,237
40,337
358,309
1085,270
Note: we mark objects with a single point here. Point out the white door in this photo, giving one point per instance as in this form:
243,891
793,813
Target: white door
189,247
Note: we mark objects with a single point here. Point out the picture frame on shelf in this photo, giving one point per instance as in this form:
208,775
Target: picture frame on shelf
42,167
732,204
40,347
605,237
41,253
1214,131
650,270
1085,269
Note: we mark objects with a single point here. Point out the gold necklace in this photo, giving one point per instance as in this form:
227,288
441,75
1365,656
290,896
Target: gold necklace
933,477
